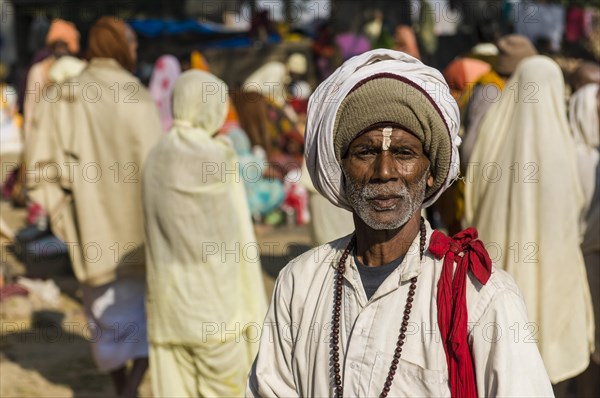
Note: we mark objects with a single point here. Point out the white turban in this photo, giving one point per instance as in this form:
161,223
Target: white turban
320,155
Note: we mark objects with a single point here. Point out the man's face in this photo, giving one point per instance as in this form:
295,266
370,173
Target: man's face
385,187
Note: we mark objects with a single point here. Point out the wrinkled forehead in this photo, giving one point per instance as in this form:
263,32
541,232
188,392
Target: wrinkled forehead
386,132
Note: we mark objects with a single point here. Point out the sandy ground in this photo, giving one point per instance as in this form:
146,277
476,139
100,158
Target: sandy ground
44,346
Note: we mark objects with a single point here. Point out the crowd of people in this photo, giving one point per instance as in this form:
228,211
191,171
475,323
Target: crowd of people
165,182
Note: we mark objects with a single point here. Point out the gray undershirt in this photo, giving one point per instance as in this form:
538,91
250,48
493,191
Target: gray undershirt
373,277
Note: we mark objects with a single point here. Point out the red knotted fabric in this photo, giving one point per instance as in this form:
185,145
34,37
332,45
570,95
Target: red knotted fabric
470,255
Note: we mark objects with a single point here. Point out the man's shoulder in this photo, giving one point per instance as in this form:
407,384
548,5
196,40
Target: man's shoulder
500,286
502,281
116,79
314,260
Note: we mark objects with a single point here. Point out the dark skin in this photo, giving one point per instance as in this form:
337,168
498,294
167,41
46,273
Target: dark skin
403,164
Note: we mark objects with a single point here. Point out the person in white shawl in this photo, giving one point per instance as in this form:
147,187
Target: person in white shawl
101,209
205,288
523,195
385,310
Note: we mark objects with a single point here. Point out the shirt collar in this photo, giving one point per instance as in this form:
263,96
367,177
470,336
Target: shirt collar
410,267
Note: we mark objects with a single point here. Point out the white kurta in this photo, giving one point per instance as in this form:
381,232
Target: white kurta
294,358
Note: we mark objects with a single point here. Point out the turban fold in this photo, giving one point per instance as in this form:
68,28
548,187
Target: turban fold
381,86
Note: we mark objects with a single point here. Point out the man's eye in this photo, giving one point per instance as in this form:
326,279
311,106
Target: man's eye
404,152
366,152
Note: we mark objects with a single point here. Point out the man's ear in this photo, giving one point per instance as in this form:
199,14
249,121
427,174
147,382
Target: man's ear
429,179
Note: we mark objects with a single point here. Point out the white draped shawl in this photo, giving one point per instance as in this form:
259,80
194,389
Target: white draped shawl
523,195
205,286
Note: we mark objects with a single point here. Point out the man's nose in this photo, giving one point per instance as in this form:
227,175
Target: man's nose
385,167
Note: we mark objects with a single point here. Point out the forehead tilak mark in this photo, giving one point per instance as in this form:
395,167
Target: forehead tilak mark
387,138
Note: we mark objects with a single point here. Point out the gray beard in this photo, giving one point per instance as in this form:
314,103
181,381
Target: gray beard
358,195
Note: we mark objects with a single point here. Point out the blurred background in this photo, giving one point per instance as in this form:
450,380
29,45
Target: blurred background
44,350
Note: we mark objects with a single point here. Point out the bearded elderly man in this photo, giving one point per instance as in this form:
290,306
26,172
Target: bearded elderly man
394,309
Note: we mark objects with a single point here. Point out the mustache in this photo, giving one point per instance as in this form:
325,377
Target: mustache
372,191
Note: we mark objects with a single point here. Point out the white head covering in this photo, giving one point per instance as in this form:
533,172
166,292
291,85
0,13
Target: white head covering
270,81
200,101
324,169
583,116
297,64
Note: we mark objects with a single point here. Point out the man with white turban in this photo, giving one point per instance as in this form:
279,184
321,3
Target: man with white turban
394,309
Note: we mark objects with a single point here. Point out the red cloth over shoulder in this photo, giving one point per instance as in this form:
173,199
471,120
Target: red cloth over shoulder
470,255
